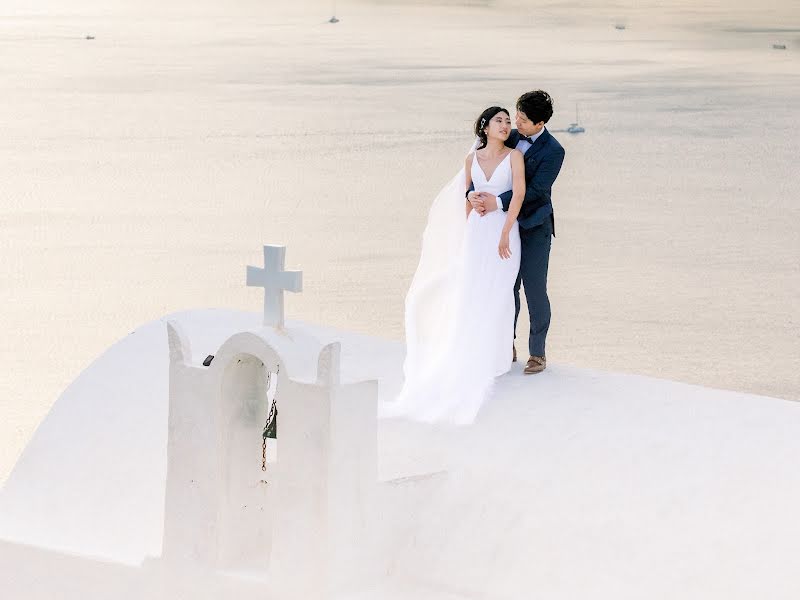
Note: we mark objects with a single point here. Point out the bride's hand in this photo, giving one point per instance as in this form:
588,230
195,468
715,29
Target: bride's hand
504,248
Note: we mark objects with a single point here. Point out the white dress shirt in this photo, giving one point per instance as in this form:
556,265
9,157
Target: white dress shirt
523,145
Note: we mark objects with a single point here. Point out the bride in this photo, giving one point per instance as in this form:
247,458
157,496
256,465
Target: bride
460,307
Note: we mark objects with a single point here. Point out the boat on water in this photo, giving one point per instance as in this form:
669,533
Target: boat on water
575,127
333,19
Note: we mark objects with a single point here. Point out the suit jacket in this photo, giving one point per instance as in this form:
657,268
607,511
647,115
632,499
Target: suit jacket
543,162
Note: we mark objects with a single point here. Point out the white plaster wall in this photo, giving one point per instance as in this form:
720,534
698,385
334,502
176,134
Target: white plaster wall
574,480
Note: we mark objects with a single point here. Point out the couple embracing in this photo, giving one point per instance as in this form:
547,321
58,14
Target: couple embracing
463,304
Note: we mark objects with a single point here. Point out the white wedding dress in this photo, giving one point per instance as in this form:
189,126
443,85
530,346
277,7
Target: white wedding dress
460,307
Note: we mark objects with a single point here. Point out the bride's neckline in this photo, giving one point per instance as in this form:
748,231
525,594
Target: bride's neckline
488,179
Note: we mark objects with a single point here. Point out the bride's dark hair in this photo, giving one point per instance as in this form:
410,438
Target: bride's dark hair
483,121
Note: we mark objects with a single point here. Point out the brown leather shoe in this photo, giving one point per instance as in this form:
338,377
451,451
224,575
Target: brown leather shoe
514,357
536,364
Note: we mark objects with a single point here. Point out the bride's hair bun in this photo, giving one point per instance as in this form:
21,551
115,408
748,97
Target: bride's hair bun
483,120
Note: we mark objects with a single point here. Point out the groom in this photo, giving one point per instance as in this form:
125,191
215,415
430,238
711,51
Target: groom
543,159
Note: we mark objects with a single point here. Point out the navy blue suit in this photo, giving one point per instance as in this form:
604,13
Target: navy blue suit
543,162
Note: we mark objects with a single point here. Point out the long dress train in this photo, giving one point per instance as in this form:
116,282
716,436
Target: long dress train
460,307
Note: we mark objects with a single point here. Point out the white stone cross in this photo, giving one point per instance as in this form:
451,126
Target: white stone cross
275,281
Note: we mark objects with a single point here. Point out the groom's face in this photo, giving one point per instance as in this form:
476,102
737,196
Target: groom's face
527,127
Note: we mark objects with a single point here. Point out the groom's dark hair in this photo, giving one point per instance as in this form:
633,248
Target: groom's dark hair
537,105
483,121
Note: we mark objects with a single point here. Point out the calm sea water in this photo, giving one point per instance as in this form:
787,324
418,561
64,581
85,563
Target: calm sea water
145,168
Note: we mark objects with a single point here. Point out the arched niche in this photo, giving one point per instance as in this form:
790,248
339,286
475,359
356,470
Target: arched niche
248,378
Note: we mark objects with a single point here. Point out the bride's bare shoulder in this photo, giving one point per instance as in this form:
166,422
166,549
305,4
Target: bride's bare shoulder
517,161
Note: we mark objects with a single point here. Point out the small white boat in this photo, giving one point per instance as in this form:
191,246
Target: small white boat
574,127
333,19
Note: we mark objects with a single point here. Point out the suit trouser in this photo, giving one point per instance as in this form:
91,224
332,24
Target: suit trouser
533,276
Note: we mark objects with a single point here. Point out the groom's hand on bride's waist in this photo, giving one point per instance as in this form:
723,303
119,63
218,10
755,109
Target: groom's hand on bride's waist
488,202
477,202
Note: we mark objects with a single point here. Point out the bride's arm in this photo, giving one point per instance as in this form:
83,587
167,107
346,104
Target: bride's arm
518,188
468,173
518,195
